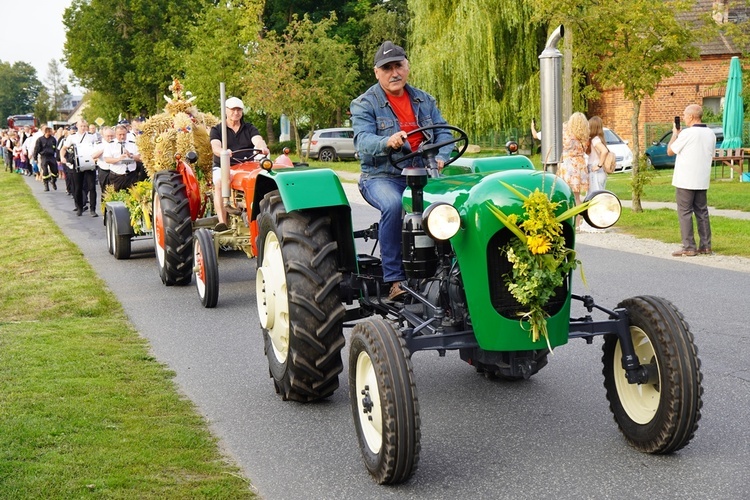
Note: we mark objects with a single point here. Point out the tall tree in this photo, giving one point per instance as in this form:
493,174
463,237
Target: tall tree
479,58
19,88
221,40
43,110
309,74
129,49
629,44
57,88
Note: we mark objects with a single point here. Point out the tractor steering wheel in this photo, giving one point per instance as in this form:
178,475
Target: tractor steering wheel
248,155
431,150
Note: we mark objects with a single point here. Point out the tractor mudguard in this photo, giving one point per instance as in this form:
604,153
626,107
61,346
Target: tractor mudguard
488,164
302,188
311,189
121,216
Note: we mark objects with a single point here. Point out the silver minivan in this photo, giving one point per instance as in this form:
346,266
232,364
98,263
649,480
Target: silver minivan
328,144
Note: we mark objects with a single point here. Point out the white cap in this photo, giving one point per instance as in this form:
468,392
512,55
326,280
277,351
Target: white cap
234,102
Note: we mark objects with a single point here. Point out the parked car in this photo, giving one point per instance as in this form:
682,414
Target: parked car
329,144
656,154
621,150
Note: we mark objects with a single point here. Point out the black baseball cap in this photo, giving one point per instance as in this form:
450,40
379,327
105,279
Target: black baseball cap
388,53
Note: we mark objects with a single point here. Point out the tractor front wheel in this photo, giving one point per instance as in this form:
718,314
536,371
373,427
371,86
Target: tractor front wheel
173,229
383,398
206,268
660,416
299,308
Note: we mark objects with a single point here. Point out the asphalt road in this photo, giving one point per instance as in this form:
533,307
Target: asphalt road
550,437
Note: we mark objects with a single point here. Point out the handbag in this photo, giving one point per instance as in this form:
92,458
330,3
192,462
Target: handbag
609,162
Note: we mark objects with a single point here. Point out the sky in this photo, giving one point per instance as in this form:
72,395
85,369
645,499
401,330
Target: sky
32,31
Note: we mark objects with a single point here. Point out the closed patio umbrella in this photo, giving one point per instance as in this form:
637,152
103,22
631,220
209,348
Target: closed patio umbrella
733,107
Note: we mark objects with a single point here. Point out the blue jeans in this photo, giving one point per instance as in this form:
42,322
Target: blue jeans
384,193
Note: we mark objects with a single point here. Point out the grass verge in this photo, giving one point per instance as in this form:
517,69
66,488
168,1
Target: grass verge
84,407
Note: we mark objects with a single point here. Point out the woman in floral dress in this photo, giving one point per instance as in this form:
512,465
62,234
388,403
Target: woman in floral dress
574,169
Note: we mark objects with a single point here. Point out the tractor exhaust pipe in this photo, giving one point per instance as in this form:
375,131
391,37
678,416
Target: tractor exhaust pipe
224,158
550,76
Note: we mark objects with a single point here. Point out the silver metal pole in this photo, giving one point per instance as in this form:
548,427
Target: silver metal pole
224,158
550,75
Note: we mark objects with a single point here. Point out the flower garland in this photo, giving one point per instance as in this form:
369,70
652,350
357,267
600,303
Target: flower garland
138,200
540,259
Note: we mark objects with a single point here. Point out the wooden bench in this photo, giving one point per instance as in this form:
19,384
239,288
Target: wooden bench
732,158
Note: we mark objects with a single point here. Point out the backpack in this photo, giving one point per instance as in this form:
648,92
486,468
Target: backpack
608,162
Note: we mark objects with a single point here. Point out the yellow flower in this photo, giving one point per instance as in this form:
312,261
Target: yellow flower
538,244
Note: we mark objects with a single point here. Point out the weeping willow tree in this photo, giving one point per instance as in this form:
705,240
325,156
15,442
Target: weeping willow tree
479,58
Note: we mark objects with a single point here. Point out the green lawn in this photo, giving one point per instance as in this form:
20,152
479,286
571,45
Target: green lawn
84,407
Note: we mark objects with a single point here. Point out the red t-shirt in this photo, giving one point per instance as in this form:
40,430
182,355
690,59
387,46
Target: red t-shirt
405,113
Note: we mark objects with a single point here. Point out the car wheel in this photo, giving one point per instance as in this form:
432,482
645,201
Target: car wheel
649,162
327,154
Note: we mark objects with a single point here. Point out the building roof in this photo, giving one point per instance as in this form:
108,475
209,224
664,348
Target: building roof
722,11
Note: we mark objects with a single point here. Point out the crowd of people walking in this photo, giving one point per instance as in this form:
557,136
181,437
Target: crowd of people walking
82,156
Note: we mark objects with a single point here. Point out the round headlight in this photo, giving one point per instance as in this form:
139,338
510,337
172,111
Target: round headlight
604,210
441,221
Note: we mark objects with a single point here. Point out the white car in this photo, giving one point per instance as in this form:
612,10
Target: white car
328,144
621,150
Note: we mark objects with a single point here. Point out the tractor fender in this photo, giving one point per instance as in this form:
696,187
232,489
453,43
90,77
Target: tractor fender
310,189
121,216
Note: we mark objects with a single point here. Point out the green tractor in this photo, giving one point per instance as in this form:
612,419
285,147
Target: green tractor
311,285
467,241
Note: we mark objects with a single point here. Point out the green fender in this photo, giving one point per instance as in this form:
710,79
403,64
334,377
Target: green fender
305,188
318,189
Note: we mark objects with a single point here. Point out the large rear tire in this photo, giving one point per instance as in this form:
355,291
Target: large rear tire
206,268
383,397
299,308
659,417
173,229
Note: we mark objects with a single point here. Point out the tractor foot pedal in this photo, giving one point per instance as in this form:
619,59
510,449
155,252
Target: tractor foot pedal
232,210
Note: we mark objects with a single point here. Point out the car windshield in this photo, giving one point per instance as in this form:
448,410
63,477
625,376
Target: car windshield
612,138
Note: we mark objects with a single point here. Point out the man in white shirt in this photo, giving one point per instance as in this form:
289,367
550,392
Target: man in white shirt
121,156
84,144
694,147
108,134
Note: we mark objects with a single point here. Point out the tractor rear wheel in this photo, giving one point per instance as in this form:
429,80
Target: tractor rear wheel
173,229
383,397
660,416
206,268
299,308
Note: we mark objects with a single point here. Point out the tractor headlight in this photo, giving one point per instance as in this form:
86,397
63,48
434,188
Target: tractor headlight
604,210
441,221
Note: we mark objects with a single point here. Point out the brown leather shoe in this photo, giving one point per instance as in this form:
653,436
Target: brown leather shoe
705,251
684,253
396,292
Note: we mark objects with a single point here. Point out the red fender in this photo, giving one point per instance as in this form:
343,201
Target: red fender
192,187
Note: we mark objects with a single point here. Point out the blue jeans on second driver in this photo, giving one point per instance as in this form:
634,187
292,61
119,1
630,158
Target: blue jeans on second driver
384,193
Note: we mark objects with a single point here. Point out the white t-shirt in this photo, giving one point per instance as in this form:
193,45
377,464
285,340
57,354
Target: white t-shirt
594,154
115,149
694,148
85,143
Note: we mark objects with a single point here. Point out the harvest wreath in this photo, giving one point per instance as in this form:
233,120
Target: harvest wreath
541,261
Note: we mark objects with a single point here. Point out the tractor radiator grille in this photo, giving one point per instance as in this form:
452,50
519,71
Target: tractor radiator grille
498,266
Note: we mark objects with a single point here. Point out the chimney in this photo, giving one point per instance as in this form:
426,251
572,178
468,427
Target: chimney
720,12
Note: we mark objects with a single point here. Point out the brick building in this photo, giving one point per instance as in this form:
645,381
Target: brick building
703,81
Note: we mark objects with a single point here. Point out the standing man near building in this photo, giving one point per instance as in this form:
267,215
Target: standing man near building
241,138
381,118
694,147
84,143
121,156
45,148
